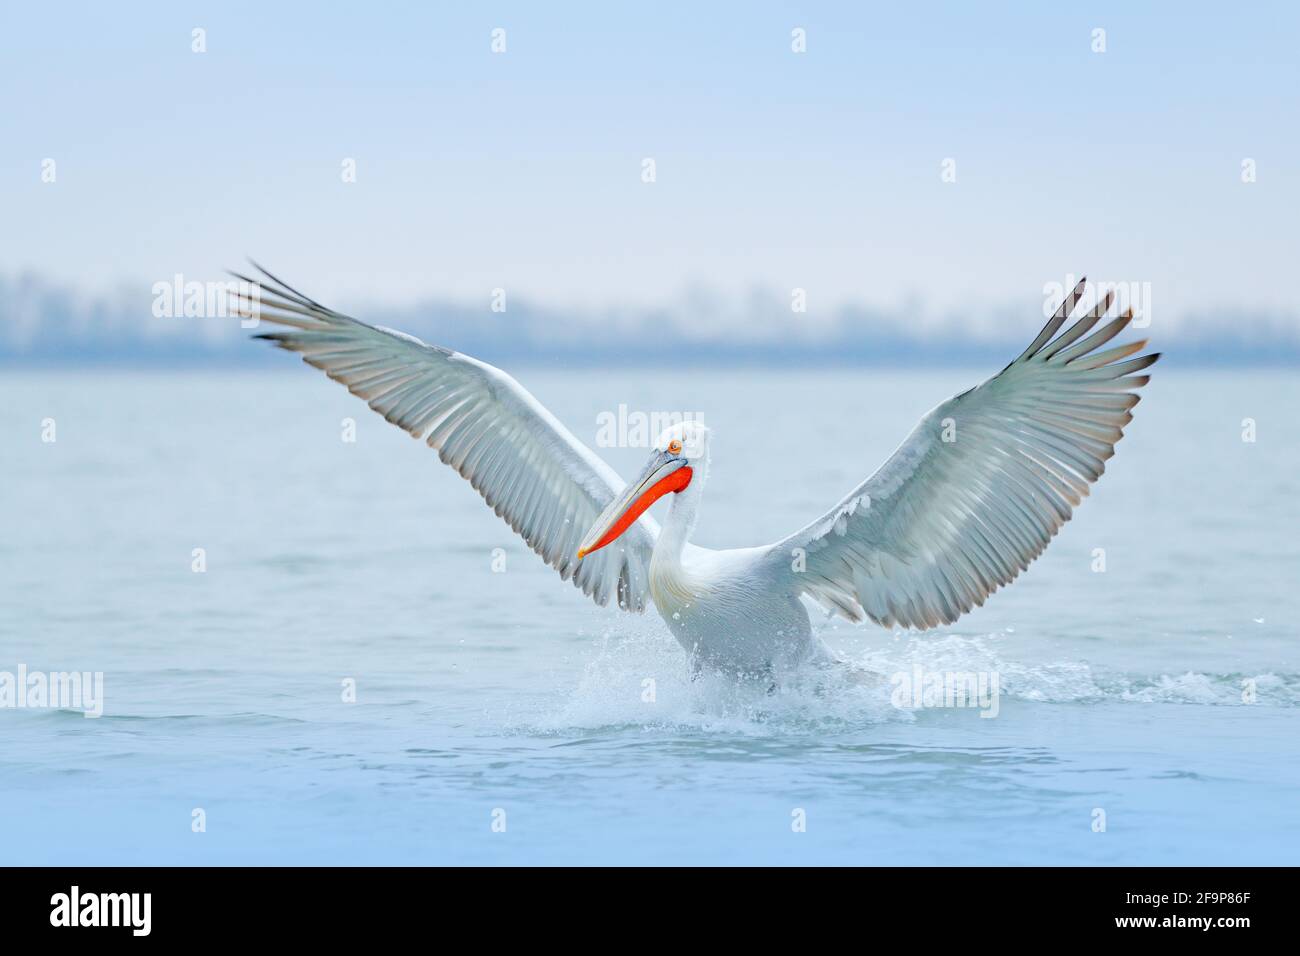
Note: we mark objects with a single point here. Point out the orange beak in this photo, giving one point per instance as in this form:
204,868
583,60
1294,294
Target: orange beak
665,473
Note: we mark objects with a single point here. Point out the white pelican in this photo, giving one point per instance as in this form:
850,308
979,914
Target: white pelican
969,499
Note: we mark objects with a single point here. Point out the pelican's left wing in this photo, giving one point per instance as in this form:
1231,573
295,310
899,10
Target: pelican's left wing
979,488
547,485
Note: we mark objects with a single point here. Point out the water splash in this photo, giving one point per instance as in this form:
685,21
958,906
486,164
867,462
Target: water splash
640,678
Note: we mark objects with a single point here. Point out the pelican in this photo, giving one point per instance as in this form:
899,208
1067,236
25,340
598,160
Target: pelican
966,502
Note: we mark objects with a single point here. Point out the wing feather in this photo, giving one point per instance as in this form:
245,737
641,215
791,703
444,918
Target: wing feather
945,523
531,470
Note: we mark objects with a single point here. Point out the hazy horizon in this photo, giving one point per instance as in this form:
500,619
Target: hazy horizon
141,324
916,178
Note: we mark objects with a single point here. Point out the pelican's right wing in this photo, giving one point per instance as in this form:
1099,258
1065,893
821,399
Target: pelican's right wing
547,485
979,488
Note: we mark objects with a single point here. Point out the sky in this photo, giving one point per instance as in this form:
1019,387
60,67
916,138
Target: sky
821,170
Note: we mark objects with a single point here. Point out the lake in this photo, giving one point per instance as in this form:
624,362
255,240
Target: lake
325,651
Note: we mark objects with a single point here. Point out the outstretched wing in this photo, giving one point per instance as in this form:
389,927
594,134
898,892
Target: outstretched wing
981,485
547,485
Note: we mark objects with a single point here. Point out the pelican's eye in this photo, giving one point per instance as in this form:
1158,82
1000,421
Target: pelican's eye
675,447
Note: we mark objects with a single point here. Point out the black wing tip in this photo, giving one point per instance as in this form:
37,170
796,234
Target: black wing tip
284,290
261,268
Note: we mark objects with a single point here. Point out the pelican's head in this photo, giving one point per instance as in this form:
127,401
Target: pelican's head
679,451
688,440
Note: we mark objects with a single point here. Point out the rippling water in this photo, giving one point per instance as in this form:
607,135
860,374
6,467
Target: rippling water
479,692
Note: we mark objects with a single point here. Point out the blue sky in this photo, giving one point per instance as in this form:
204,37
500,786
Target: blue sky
774,169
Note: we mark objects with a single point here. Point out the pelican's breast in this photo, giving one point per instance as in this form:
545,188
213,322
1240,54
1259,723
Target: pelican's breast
675,590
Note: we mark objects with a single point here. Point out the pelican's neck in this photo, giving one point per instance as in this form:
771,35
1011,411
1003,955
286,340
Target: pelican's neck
682,513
